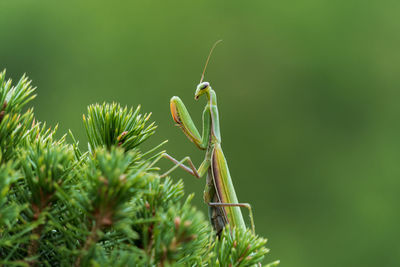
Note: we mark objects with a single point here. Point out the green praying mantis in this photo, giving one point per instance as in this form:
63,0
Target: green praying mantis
219,192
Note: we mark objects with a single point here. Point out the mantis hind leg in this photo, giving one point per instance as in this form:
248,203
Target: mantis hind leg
242,205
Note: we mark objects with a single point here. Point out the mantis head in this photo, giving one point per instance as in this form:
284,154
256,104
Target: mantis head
202,88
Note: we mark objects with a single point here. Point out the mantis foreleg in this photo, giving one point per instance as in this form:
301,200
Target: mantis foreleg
182,117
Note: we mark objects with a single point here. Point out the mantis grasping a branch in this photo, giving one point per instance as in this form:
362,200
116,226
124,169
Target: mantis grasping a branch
219,192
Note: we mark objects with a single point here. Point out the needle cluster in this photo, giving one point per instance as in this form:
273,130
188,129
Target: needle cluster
107,206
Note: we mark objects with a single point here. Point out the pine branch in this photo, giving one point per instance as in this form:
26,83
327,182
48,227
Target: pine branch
110,125
13,124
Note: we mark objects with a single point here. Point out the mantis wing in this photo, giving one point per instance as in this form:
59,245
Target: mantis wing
224,187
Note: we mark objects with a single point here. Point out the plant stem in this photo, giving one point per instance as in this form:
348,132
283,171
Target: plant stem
91,239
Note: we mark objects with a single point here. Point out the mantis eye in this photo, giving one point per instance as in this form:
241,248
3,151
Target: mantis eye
204,86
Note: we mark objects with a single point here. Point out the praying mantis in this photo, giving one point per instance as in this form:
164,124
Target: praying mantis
219,192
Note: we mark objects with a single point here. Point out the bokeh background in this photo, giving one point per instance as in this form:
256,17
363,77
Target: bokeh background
308,96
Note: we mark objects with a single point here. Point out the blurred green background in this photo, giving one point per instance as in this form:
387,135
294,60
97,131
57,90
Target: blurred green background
308,97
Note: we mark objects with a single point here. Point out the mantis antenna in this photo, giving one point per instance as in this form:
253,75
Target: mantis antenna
208,59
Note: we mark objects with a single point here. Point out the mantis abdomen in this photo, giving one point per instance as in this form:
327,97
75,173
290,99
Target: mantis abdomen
224,190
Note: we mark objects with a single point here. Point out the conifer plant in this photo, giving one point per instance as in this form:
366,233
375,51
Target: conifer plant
107,206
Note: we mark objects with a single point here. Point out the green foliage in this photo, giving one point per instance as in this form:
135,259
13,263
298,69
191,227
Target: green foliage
45,164
104,207
229,251
111,125
8,212
13,124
